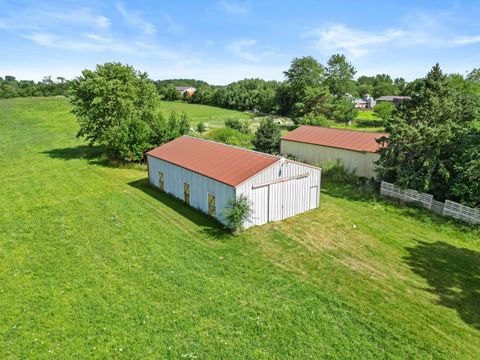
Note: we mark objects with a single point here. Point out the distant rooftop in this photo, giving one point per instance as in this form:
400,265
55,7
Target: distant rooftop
183,88
393,98
337,138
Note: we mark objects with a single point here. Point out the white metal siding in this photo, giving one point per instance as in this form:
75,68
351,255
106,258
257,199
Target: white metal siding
174,177
284,199
360,162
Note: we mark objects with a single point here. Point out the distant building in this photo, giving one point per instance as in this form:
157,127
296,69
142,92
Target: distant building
370,100
396,99
360,103
366,103
185,89
356,150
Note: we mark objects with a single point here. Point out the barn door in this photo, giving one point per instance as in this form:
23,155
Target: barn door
275,202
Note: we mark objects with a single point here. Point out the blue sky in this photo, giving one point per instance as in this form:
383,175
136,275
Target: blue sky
226,40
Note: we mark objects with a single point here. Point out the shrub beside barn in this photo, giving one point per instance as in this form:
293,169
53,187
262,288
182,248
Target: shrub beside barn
206,175
356,150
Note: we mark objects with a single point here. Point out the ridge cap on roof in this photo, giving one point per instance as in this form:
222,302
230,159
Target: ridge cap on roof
328,128
232,146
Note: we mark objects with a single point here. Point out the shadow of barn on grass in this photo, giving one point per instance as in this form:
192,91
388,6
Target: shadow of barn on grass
453,274
209,225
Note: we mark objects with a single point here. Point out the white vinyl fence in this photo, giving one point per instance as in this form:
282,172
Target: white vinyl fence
448,208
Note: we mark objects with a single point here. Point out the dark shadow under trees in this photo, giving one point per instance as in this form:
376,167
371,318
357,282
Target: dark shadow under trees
452,274
75,152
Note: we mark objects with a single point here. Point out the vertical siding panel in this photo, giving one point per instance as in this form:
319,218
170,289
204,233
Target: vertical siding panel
360,162
293,194
200,186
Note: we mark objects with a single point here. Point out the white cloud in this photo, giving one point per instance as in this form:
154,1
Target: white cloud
246,49
135,19
358,43
233,7
98,43
171,25
35,19
465,40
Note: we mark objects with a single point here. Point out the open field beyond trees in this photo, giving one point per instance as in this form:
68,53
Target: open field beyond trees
95,263
210,115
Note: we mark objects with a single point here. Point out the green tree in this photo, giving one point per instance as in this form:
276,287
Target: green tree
267,136
129,140
304,72
384,110
115,98
426,144
169,93
339,75
341,110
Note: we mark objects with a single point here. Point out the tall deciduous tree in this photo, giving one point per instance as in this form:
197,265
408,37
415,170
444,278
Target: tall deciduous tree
115,106
339,75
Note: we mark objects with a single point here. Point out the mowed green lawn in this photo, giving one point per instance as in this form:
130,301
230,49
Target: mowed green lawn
94,263
210,115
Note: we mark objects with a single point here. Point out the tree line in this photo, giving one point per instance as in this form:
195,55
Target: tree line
310,93
10,87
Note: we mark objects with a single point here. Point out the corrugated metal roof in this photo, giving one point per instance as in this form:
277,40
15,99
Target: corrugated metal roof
338,138
228,164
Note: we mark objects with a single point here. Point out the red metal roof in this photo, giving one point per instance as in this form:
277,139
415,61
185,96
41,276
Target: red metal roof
228,164
338,138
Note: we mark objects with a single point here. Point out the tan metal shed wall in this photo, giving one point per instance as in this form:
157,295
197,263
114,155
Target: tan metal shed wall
360,162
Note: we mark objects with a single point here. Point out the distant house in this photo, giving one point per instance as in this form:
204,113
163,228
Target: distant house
396,99
366,103
185,90
357,150
206,175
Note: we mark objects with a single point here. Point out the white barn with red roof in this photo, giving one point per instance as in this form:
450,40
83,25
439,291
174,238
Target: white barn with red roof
207,174
356,150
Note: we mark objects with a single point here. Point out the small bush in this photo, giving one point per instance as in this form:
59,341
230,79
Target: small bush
242,126
312,119
336,172
200,127
230,136
238,211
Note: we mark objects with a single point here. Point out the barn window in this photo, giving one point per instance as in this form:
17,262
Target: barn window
160,181
211,205
186,193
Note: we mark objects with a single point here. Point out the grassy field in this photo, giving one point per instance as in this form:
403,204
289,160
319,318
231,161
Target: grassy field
94,263
210,115
365,121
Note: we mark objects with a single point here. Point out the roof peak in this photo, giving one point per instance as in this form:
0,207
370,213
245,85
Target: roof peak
232,146
335,129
